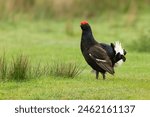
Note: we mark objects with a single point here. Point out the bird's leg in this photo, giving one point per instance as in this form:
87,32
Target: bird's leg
103,76
97,74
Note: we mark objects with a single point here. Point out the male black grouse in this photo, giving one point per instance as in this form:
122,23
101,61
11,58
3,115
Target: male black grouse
101,57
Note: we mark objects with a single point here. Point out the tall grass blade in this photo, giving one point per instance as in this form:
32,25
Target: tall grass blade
20,68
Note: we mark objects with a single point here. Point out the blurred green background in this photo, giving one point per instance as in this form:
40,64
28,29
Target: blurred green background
36,9
128,16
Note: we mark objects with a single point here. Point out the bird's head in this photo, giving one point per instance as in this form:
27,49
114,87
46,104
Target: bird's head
85,25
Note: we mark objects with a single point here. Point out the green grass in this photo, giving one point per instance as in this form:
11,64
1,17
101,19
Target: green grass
49,41
20,68
63,69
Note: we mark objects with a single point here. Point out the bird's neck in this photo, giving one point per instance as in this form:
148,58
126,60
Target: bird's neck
88,38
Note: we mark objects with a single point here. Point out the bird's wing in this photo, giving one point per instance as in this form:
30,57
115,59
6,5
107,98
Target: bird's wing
100,56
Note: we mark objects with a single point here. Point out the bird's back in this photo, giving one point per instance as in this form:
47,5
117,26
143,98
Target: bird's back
109,49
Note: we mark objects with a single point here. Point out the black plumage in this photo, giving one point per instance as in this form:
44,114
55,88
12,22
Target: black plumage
101,57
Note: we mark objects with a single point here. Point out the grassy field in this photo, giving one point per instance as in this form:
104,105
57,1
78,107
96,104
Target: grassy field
48,41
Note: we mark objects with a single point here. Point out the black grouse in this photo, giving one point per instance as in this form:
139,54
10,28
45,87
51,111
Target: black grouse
101,57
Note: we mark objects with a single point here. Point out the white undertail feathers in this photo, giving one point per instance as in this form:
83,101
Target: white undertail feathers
118,48
119,63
